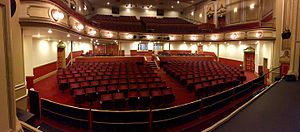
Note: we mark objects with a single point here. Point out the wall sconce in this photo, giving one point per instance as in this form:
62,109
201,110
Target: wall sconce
57,15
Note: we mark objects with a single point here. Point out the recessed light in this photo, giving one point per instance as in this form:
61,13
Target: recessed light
172,6
79,38
107,3
178,1
68,35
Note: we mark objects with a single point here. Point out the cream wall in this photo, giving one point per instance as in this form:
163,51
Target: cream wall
43,52
137,12
38,52
127,46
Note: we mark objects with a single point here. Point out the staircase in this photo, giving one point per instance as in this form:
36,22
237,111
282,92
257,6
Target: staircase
152,65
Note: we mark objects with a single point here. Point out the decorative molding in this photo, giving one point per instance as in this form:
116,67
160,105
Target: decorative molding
44,77
24,96
20,86
38,11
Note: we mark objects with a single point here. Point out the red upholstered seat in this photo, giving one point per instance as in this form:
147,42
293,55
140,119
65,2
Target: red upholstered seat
133,86
94,83
106,100
123,87
112,88
169,96
101,89
84,84
79,96
80,79
91,94
133,97
142,86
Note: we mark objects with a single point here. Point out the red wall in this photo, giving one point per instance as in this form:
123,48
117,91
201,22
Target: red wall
234,63
44,69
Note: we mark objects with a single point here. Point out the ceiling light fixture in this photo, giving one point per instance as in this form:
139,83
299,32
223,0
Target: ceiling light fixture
68,35
79,37
172,7
107,3
178,1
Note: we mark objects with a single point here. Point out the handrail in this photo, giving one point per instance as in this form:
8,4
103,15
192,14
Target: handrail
192,107
64,104
29,127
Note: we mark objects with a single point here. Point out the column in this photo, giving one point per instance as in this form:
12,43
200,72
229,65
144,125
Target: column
216,13
61,57
294,40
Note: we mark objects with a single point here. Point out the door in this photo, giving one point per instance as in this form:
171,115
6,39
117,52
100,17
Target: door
250,62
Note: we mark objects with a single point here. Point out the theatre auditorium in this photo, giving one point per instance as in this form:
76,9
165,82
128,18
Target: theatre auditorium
149,65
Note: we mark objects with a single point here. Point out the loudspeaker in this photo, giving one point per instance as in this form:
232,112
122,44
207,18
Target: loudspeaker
290,78
115,10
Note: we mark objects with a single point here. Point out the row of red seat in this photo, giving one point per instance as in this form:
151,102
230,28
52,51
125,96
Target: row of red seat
150,24
205,77
122,26
113,18
143,98
92,93
85,82
165,20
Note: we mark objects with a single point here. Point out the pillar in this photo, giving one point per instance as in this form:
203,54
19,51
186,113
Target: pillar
61,57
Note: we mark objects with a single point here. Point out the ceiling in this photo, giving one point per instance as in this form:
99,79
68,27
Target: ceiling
156,4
